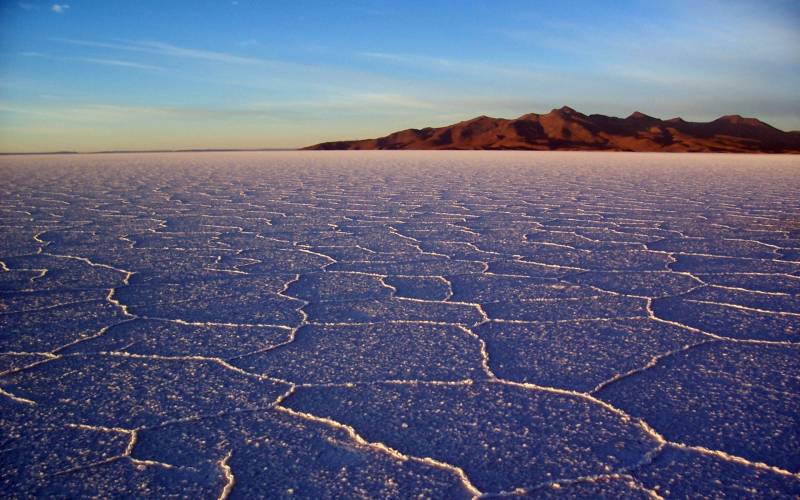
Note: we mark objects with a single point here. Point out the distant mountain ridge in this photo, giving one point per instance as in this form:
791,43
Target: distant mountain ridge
567,129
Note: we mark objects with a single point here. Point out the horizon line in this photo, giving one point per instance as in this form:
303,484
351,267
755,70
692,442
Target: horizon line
255,149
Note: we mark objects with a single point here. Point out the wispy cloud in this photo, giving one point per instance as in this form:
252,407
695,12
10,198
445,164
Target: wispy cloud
666,78
700,38
259,70
175,51
60,8
27,6
415,60
459,66
391,100
423,103
118,62
334,100
93,60
109,113
116,111
167,49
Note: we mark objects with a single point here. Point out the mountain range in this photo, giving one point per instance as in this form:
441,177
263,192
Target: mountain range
567,129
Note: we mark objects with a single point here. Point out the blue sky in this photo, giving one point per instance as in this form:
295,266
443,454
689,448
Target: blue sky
108,74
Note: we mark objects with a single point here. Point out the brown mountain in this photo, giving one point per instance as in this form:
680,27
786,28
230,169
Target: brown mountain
567,129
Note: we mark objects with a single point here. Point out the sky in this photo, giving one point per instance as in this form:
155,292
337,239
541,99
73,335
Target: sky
171,74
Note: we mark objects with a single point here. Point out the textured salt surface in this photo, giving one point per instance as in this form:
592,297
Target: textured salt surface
400,325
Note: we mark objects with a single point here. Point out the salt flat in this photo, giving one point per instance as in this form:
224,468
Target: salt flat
400,324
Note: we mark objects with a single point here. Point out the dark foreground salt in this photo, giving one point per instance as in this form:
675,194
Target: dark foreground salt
380,324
